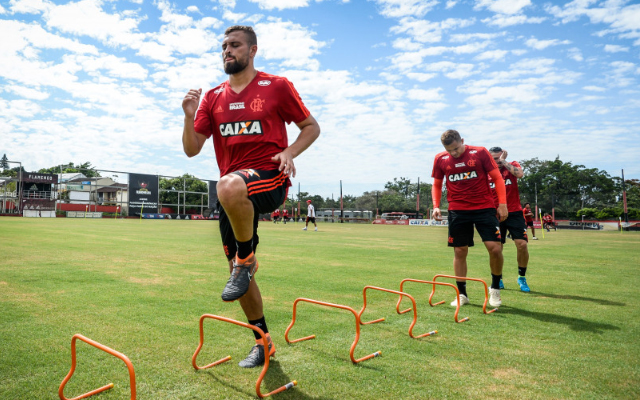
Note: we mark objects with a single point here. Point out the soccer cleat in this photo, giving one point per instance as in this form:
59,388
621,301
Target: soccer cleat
463,300
304,229
534,238
522,281
255,357
316,229
241,276
501,284
494,297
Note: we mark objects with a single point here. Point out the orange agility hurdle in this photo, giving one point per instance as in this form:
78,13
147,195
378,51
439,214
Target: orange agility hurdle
227,358
132,375
340,306
455,316
415,312
486,291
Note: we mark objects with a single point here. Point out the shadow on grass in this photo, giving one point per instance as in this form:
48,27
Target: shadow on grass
274,379
579,298
576,324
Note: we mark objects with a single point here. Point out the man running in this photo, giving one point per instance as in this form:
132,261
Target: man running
467,169
247,117
511,172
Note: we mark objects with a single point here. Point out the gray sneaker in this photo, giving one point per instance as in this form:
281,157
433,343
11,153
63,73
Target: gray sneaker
256,355
241,276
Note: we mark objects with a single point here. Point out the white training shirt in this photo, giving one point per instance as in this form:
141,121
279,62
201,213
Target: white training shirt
311,212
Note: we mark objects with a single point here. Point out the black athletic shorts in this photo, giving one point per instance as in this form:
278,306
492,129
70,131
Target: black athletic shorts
311,219
267,191
529,223
516,226
461,224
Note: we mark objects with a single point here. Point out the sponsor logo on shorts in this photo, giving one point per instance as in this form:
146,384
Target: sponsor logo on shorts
450,239
264,83
462,176
241,128
236,106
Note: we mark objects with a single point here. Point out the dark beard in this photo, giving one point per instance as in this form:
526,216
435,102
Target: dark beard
234,67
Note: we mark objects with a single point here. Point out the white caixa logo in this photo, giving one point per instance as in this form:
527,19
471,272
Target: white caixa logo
264,83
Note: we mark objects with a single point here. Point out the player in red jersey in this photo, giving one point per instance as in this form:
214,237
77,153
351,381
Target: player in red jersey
548,222
467,170
511,172
285,216
275,216
528,218
246,116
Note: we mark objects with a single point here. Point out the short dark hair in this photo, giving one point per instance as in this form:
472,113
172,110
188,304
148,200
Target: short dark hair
248,30
525,204
449,136
496,149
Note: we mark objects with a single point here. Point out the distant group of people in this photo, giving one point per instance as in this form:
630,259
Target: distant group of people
246,117
276,217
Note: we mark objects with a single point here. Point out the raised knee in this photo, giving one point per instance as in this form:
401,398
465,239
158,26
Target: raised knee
229,186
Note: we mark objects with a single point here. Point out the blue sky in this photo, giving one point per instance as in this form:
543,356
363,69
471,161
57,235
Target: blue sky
102,81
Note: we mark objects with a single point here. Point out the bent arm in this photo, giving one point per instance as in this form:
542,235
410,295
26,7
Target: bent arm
192,141
309,132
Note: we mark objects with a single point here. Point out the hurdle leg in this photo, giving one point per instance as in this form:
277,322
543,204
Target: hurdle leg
132,375
265,343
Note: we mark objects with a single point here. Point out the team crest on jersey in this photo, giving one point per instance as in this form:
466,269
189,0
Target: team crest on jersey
471,163
462,176
256,104
241,128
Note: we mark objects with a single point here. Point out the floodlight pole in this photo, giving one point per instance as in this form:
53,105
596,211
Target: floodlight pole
624,199
341,206
418,201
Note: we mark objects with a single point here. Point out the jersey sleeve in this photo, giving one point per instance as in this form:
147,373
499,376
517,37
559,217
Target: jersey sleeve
203,123
436,172
291,109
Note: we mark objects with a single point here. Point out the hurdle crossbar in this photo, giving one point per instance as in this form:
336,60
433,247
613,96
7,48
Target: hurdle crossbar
413,301
433,290
132,374
339,306
265,343
486,290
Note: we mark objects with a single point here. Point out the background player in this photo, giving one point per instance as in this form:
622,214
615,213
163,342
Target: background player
311,215
285,216
528,217
247,117
467,169
511,172
547,220
275,216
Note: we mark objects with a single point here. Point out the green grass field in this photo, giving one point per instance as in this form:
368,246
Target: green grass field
141,287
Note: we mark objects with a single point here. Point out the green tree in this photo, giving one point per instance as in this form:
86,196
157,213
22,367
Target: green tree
4,162
85,168
184,186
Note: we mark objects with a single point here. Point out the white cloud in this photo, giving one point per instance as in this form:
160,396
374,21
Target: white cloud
451,4
621,18
503,6
594,88
543,44
30,6
614,48
405,8
425,94
193,9
424,31
27,93
575,54
280,4
504,21
495,55
291,43
420,77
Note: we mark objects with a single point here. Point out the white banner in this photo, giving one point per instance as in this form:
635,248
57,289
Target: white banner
428,222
